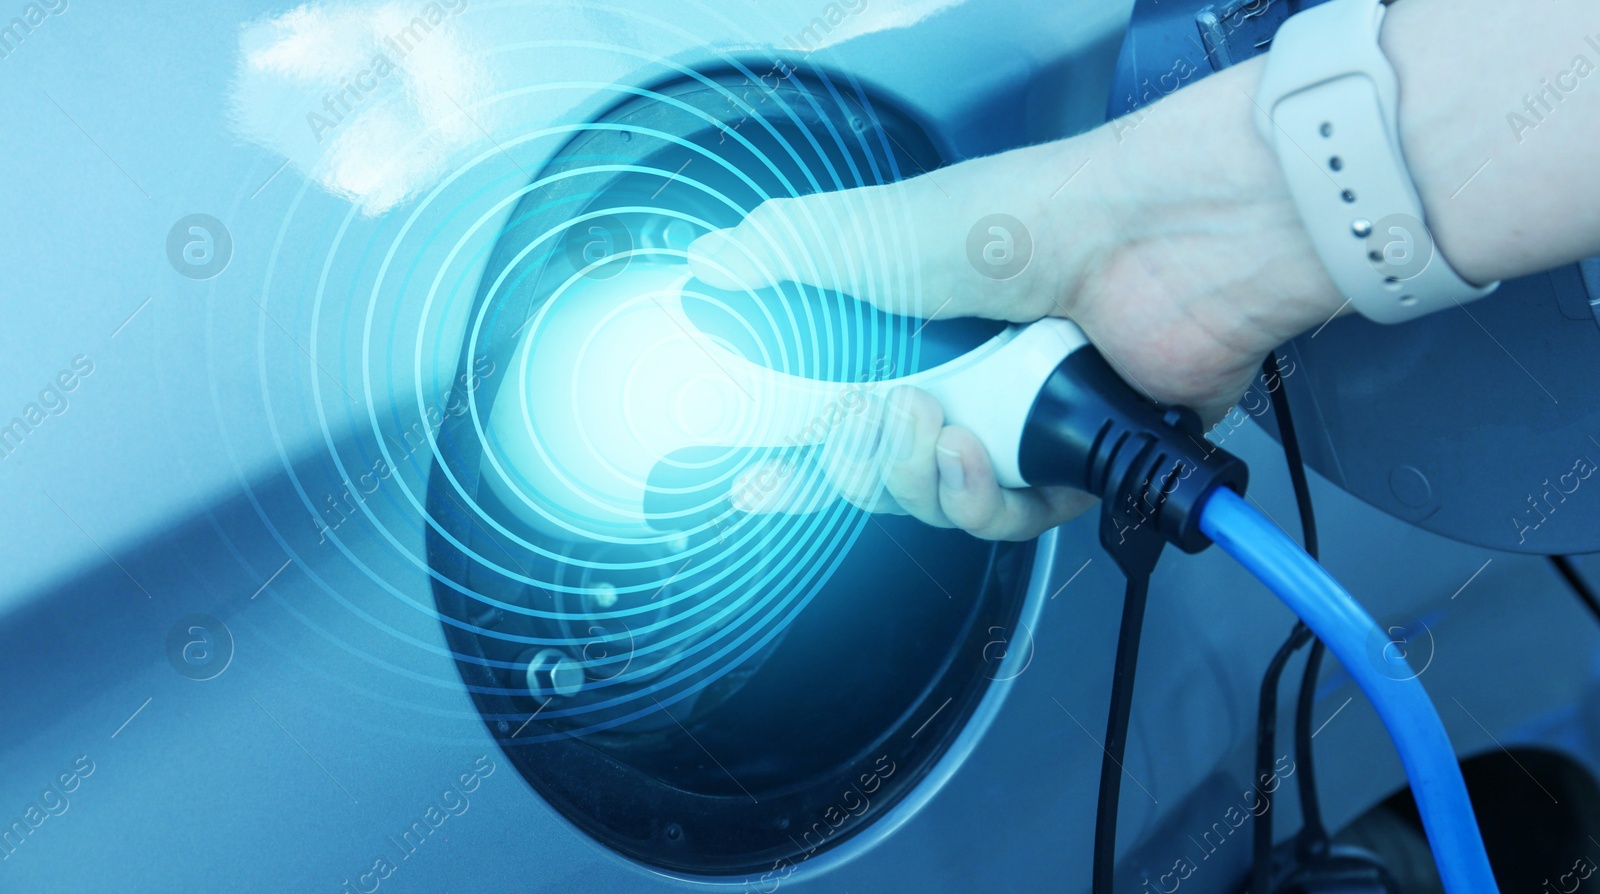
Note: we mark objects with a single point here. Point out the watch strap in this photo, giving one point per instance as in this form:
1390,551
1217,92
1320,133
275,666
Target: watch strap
1328,104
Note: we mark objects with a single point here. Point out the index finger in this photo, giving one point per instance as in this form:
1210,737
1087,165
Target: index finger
979,238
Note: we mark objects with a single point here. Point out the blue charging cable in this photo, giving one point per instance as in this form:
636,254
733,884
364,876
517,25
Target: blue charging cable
1159,481
1403,705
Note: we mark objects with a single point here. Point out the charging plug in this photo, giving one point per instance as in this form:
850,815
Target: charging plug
1151,467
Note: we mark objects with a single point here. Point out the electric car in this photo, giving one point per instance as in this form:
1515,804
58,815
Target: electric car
275,620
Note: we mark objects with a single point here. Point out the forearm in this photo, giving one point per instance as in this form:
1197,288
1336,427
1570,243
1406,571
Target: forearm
1500,123
1504,196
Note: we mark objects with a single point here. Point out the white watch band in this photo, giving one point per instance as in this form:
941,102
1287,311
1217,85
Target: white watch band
1329,106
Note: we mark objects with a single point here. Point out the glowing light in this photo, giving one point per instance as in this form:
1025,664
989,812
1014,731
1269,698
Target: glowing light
612,379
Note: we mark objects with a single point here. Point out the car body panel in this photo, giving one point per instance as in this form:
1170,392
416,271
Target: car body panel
189,474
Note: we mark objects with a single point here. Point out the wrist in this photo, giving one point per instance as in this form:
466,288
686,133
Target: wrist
1491,191
1194,263
1223,203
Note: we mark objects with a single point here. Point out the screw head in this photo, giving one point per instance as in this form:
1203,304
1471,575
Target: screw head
566,677
552,673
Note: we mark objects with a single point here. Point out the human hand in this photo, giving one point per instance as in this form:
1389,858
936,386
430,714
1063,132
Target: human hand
1170,239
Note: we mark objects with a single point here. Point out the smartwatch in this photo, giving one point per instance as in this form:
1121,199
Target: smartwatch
1328,105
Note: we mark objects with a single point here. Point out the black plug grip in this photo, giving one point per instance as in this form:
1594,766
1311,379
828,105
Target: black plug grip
1151,466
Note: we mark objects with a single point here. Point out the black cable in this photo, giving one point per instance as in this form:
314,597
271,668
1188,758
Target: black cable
1116,744
1153,472
1266,736
1313,834
1292,455
1585,593
1314,837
